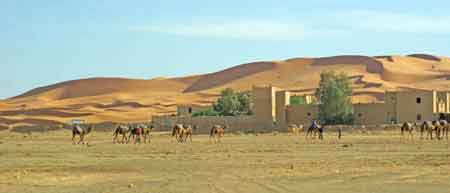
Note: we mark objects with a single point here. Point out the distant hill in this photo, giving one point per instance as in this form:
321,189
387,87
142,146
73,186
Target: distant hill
118,99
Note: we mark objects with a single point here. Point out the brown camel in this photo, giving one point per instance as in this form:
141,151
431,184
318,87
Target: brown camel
294,129
186,132
437,129
217,132
408,127
147,132
137,132
80,131
122,130
427,126
445,127
177,130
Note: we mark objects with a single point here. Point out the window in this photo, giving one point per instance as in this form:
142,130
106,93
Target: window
418,100
359,114
309,114
190,110
419,117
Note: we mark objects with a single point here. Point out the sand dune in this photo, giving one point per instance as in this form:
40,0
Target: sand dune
122,100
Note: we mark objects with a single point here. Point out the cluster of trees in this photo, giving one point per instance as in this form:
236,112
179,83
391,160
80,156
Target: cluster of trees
334,95
230,103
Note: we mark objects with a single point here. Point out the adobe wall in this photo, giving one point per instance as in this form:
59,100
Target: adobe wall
204,124
409,108
370,114
282,101
301,114
187,110
264,103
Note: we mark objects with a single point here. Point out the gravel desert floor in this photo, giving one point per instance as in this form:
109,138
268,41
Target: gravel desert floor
376,162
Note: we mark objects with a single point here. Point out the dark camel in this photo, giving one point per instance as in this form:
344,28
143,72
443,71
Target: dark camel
80,131
124,131
408,127
313,130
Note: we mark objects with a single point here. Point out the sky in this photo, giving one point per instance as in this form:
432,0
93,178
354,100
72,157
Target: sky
48,41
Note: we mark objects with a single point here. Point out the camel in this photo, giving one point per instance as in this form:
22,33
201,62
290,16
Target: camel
427,126
445,127
177,130
313,130
437,129
186,132
122,130
137,133
294,129
81,131
217,132
147,132
408,127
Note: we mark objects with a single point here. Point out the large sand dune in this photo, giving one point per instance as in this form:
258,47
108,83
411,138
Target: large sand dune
118,99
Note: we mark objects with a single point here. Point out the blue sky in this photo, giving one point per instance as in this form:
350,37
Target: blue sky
48,41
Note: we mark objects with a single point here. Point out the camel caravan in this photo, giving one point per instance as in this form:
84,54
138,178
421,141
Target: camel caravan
135,133
438,128
182,133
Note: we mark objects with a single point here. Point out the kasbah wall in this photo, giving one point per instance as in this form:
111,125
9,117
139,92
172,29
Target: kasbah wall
273,111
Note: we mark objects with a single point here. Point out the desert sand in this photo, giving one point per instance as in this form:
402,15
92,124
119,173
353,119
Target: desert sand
375,162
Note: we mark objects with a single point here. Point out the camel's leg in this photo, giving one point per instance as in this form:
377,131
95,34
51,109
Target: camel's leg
438,133
401,132
446,134
73,138
190,137
411,134
114,139
81,138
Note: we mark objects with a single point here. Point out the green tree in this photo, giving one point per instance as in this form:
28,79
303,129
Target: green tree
245,103
233,103
228,103
334,95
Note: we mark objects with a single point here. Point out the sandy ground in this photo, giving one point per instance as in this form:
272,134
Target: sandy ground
379,162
